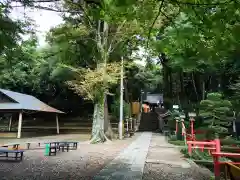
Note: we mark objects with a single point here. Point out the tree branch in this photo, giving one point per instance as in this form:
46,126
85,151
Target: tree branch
158,14
114,37
200,4
36,1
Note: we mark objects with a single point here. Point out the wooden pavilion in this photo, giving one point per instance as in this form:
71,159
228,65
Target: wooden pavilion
13,102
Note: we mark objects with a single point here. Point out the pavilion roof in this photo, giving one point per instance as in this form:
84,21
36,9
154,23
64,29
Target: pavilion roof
19,101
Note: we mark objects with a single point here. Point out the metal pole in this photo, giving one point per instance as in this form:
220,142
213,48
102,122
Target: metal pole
121,104
57,124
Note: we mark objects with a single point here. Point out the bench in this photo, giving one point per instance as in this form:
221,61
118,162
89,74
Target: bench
14,145
54,146
71,144
18,153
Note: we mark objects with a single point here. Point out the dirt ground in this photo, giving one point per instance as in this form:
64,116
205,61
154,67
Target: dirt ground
75,137
164,161
82,163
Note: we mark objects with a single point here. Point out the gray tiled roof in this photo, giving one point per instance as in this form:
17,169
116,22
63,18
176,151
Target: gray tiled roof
25,102
154,98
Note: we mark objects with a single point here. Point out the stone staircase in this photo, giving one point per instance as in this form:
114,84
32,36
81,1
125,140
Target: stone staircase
149,122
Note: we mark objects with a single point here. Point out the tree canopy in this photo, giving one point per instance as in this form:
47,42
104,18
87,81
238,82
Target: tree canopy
192,49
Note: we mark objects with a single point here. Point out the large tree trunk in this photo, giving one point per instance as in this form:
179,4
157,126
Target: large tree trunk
167,83
183,98
98,135
107,124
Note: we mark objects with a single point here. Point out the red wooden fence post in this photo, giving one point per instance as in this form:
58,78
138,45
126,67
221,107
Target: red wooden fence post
190,149
216,160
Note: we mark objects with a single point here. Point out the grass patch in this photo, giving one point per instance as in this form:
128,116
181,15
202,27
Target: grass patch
177,142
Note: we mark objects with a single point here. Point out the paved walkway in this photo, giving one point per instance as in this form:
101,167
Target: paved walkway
162,152
165,162
151,157
129,164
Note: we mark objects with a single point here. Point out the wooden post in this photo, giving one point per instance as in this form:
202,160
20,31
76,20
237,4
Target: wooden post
10,123
190,149
19,125
57,123
216,160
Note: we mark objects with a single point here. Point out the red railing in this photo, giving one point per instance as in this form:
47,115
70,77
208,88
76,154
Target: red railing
214,148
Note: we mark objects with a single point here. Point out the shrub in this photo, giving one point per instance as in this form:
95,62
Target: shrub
217,114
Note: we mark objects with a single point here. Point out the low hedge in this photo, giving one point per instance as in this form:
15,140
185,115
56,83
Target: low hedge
177,142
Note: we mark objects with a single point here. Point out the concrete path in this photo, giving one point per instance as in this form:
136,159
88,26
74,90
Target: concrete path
151,157
165,162
162,152
129,164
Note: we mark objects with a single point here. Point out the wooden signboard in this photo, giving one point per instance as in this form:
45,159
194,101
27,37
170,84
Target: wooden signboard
135,108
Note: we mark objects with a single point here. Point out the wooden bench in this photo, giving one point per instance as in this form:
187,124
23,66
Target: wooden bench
18,153
232,171
15,146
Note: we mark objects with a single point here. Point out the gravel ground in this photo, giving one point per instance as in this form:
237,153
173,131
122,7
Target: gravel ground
165,162
79,164
165,172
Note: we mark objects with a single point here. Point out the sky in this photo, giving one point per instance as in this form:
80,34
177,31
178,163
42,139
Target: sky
45,20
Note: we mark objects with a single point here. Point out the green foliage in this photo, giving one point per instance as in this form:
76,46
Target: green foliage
197,154
91,83
115,108
229,141
217,112
177,142
138,77
172,137
201,44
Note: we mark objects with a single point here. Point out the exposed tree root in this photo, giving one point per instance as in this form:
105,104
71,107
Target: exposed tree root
99,137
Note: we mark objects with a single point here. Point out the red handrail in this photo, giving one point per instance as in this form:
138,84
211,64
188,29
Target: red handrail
214,147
